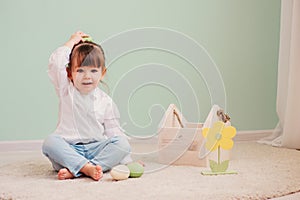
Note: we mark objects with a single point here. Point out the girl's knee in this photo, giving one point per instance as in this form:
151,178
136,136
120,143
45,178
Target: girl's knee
50,142
122,143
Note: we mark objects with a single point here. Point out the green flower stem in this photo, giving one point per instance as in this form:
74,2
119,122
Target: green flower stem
219,152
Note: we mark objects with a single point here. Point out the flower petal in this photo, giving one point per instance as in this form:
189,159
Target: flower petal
217,128
204,132
228,132
217,144
226,143
212,145
211,139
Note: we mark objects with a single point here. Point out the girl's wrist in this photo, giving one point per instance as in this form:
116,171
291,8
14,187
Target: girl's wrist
69,44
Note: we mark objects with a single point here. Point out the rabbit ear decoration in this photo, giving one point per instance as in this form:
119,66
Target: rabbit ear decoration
87,39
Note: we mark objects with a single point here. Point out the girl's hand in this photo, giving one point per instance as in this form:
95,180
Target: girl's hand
75,38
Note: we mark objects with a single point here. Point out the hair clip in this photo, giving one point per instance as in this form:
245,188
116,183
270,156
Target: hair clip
87,39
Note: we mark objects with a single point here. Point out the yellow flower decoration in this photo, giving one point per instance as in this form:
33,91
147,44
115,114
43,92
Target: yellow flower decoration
219,135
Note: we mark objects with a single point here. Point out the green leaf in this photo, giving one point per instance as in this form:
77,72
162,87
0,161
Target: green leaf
223,166
215,167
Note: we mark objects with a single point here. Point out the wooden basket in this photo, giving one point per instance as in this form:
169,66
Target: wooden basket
179,141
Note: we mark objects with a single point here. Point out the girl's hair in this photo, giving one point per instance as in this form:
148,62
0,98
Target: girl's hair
87,54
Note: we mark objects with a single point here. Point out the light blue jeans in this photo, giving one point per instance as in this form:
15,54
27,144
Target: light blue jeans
106,153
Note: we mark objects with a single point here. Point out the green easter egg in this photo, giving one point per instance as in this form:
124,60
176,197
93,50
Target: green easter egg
136,170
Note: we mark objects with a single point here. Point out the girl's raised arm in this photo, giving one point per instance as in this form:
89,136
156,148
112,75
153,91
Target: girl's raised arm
75,38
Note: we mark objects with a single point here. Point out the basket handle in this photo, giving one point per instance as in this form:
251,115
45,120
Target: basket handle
178,118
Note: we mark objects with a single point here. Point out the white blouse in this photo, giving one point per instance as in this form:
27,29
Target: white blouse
82,118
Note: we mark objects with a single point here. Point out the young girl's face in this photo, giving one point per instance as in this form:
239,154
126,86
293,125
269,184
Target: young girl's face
86,78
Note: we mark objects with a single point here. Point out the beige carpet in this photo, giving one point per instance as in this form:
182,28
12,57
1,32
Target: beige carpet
263,172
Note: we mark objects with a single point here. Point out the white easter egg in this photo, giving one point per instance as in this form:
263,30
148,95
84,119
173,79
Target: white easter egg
120,172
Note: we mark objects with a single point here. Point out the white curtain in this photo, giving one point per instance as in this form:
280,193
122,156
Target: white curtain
287,132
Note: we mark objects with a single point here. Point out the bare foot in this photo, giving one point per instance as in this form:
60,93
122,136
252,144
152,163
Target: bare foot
64,174
93,171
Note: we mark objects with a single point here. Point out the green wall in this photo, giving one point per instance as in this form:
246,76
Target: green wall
241,37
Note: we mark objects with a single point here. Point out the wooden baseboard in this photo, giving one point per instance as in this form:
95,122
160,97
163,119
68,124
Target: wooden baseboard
21,145
253,135
36,145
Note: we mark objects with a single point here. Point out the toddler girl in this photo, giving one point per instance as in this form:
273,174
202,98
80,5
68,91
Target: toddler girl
88,139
